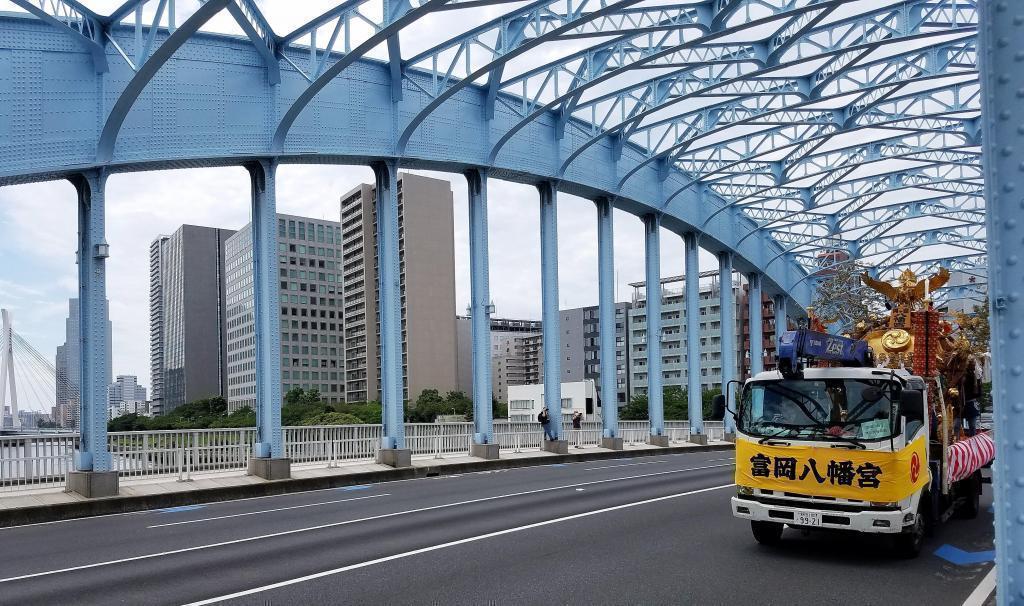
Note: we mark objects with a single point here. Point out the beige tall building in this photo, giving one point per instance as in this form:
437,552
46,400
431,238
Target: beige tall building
427,263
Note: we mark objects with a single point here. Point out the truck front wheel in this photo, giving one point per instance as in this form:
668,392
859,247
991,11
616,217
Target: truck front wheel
766,533
909,542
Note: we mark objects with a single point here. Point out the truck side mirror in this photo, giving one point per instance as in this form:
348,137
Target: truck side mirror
912,405
718,407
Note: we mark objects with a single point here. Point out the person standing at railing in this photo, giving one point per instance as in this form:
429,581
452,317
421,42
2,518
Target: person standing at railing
577,426
545,421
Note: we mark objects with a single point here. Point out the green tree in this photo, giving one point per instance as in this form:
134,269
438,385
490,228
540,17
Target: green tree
332,418
295,414
295,395
368,412
243,417
675,402
636,409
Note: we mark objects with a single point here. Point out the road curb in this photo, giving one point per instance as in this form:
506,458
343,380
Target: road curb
19,516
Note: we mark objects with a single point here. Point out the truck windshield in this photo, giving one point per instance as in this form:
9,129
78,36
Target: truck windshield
829,409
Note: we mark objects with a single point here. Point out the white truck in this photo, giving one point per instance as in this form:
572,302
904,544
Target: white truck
846,448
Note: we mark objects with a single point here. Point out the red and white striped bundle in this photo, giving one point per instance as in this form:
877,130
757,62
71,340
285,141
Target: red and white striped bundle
968,456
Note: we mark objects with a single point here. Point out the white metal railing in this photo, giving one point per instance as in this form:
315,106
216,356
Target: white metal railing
42,461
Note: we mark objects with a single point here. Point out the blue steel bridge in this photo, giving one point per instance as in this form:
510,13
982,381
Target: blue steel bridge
779,135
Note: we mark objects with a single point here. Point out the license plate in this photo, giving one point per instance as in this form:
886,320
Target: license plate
807,518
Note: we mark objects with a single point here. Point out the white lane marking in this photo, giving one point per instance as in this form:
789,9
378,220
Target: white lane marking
984,589
489,535
336,524
625,465
253,513
579,490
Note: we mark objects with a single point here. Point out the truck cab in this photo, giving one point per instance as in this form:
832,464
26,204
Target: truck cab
830,441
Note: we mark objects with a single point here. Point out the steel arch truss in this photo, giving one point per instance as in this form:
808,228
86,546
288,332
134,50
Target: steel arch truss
830,125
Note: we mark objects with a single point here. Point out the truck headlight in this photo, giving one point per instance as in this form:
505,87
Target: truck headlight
744,490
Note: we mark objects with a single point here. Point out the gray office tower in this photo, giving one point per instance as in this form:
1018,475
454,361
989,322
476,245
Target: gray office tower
310,316
186,318
68,364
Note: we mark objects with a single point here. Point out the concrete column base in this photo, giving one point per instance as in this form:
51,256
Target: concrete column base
611,443
699,438
484,451
730,437
555,446
395,457
270,469
93,484
658,441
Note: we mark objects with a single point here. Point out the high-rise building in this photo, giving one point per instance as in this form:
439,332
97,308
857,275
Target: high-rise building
310,314
125,389
186,316
673,333
68,364
508,363
768,340
581,348
427,265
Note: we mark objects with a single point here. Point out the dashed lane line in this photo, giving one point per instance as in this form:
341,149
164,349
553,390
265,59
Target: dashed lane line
423,550
341,523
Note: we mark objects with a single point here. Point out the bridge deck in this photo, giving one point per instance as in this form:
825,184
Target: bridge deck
650,530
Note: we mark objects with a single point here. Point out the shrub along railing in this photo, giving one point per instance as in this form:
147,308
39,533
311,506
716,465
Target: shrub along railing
28,462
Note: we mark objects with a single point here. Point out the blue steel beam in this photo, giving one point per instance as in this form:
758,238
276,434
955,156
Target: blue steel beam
77,20
606,317
548,191
781,318
1001,48
727,305
652,258
94,359
146,72
694,391
755,319
266,305
256,27
392,387
480,314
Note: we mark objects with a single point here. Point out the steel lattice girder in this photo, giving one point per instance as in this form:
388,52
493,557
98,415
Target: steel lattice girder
795,120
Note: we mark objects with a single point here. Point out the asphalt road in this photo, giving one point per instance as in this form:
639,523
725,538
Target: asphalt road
630,531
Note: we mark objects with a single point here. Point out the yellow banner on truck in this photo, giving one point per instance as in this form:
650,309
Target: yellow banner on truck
865,475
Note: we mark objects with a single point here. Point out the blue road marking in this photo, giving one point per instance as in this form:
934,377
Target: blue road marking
180,508
960,557
356,487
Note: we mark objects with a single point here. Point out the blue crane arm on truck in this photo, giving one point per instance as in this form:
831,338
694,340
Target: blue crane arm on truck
798,347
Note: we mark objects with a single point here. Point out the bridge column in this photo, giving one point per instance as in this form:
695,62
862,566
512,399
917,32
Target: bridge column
551,326
655,393
755,318
392,389
728,307
606,316
92,475
1000,46
781,319
480,316
268,460
694,392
